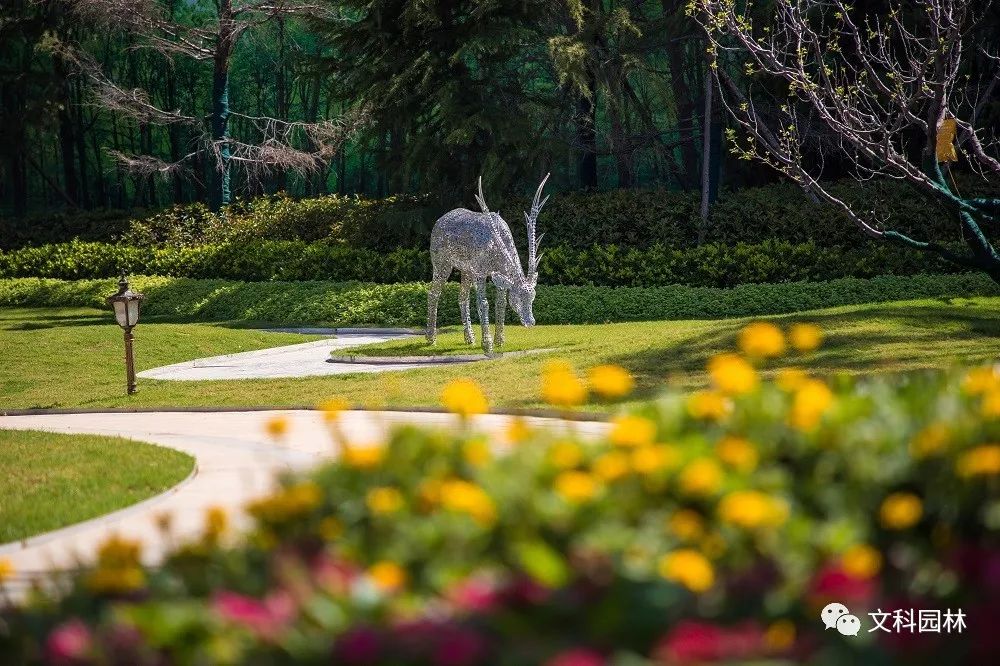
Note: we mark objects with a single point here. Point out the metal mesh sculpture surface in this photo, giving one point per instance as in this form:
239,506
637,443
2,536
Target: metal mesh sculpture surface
481,247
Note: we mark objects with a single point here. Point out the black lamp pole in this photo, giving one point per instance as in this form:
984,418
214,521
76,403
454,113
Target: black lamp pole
126,304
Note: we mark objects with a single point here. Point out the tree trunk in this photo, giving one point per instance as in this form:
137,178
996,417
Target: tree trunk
221,194
683,99
587,134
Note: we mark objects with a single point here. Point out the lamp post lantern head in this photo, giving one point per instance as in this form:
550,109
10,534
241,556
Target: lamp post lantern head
126,304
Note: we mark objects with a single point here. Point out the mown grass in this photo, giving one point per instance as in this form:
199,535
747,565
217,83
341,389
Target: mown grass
51,481
72,357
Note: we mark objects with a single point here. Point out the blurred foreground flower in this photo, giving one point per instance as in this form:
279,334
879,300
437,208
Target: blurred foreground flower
611,381
900,511
118,569
805,337
811,401
689,568
560,385
388,576
6,570
332,409
629,430
762,339
277,426
731,374
980,461
464,397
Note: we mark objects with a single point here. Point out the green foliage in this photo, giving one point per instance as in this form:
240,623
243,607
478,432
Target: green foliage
692,526
712,265
357,304
578,220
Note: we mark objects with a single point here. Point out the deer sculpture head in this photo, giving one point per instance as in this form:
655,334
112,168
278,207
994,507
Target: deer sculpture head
517,282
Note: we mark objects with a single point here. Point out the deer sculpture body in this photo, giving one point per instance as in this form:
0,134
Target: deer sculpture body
481,247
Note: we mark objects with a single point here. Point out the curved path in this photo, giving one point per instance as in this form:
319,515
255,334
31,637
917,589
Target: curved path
235,463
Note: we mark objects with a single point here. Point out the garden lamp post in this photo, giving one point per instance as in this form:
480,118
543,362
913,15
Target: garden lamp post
126,304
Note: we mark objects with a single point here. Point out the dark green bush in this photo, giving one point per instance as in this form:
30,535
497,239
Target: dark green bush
578,220
361,304
712,265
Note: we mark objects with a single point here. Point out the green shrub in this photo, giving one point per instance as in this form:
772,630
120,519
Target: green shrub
705,528
710,265
578,220
360,304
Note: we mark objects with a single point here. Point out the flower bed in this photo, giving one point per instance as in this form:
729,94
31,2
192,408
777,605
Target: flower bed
708,527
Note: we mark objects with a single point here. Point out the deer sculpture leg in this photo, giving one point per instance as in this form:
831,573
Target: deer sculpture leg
501,314
484,314
463,306
433,295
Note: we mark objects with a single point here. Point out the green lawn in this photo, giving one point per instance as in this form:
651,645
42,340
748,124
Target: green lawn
50,480
72,357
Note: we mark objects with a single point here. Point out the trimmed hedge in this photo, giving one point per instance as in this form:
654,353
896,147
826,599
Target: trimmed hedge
711,265
360,304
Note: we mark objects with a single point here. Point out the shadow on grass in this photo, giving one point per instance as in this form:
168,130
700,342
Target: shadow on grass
874,339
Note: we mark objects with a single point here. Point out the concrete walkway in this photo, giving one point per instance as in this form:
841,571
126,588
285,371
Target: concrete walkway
235,463
309,359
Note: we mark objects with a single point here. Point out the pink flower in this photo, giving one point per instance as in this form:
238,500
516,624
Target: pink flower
834,584
69,643
266,617
475,595
524,591
692,642
577,657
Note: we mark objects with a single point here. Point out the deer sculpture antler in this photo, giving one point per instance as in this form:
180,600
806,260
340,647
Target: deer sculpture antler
531,218
481,199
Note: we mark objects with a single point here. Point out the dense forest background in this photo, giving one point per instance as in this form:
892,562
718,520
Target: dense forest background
605,94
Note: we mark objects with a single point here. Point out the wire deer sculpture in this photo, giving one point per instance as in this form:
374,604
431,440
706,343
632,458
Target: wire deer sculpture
481,247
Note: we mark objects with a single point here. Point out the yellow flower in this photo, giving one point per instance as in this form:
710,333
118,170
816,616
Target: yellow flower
811,401
118,569
330,528
738,453
383,500
465,497
930,441
751,509
477,452
980,461
216,522
6,569
861,561
363,457
686,525
332,408
702,476
518,430
611,466
990,407
576,487
388,576
631,430
464,397
708,405
779,636
731,374
654,457
805,337
762,339
790,379
287,504
565,454
277,426
689,568
560,385
981,380
900,511
429,491
611,381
